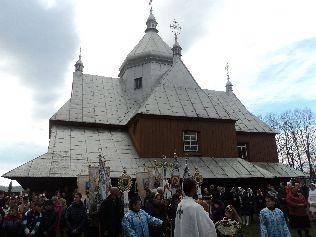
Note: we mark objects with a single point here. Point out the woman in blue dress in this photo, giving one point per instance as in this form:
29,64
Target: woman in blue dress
272,221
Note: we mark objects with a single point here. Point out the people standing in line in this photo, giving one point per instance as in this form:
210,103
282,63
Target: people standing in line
297,207
191,219
60,209
282,198
47,228
272,221
215,209
136,221
158,210
245,207
12,223
24,205
32,220
76,217
259,201
234,199
312,201
111,214
172,210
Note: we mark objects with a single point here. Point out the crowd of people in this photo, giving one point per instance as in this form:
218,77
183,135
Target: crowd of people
217,211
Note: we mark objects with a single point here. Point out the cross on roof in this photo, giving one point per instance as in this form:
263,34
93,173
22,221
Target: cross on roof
227,71
150,4
175,28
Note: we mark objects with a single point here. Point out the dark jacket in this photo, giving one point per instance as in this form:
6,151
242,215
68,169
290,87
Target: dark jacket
111,215
12,226
48,221
247,202
76,217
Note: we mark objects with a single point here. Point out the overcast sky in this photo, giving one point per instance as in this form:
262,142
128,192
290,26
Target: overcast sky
270,45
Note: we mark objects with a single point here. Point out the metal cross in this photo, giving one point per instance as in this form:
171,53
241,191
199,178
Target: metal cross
227,71
175,28
151,6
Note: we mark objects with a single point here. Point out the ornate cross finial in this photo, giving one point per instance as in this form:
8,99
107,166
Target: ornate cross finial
151,7
227,71
175,28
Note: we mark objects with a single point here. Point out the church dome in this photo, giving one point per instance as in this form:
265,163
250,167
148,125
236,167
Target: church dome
151,46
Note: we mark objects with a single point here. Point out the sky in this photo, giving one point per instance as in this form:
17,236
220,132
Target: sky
270,47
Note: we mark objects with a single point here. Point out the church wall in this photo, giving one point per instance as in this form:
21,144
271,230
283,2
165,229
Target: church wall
154,137
150,73
261,147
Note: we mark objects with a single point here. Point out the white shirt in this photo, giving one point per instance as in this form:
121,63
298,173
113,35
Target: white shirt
192,220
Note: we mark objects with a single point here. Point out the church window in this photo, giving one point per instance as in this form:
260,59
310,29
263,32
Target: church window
190,141
242,150
138,83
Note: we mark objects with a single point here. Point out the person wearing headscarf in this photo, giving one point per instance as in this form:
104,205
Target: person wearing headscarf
312,201
230,225
272,221
298,214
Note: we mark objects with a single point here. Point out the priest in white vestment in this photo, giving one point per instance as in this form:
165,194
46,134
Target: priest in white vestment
191,219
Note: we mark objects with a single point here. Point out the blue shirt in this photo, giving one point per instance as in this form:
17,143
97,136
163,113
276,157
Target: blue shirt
135,224
273,224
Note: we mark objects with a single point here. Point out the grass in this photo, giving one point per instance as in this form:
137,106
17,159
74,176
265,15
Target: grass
253,230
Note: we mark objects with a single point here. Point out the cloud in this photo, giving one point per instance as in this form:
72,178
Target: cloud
282,106
40,41
16,154
193,17
287,75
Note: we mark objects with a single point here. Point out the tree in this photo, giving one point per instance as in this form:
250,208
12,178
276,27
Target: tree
10,187
296,138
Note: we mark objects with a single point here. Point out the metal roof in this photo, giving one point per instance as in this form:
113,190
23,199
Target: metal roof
102,100
246,121
150,44
72,149
281,171
97,99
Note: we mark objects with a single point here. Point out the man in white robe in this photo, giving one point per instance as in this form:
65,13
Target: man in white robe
191,219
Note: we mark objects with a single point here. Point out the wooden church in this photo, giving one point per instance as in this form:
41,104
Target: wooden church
154,108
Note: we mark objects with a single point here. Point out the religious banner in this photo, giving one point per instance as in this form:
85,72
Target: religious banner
104,179
175,183
143,182
156,178
199,180
94,186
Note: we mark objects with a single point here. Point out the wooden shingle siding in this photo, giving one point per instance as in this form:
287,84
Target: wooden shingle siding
261,147
154,137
